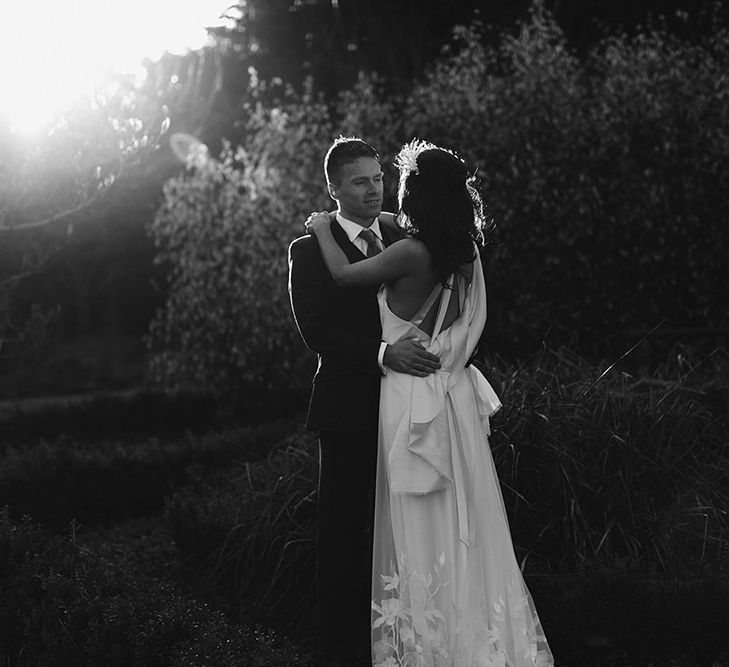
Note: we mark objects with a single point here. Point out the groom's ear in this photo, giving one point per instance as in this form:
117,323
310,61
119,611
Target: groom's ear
332,191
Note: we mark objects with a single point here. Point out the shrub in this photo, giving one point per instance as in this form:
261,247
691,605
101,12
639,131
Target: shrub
63,606
224,231
607,178
55,482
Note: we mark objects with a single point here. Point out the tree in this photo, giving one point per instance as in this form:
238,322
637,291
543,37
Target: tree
53,191
333,40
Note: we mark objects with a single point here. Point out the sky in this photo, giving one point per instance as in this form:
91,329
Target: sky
53,51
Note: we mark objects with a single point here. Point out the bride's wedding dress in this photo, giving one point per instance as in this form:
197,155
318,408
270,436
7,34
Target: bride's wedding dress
446,587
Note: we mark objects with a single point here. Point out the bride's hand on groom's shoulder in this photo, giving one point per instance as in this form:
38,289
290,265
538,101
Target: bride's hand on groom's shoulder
410,357
317,221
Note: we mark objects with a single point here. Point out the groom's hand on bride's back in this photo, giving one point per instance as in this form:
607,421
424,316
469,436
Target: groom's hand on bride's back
410,357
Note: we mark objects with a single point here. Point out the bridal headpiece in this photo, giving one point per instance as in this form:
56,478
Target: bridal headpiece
407,158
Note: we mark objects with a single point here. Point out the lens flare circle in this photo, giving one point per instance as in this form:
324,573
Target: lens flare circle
188,148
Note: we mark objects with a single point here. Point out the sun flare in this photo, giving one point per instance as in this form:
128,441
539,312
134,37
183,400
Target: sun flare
52,53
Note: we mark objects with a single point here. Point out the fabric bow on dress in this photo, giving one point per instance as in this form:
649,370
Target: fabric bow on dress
422,458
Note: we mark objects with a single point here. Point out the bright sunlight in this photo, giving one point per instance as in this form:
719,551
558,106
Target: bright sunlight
52,52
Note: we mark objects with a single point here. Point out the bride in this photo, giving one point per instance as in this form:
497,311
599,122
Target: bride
446,587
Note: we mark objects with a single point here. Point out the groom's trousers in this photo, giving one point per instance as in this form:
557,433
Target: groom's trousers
347,465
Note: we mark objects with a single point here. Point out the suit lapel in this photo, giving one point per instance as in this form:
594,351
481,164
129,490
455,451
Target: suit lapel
340,236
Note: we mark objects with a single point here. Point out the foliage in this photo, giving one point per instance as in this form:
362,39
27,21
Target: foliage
332,43
60,189
102,133
97,137
607,178
63,605
48,185
56,481
223,232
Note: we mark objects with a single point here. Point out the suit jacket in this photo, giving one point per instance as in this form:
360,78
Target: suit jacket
342,325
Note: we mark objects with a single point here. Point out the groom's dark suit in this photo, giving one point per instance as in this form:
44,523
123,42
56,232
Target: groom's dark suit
342,325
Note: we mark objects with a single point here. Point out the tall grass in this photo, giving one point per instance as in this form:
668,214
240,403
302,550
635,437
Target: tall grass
615,486
600,464
599,470
250,530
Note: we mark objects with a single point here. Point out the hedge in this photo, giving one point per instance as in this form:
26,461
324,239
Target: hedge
97,482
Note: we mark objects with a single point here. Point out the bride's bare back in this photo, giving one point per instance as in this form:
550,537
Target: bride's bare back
406,295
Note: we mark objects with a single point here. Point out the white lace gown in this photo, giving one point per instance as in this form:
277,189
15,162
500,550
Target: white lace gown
446,588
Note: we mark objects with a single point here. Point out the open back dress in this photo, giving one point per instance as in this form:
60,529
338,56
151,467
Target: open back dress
446,588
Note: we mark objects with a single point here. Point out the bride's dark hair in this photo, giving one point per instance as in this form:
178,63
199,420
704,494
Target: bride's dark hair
440,205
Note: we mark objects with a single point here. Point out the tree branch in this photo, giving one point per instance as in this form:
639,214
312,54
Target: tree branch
54,217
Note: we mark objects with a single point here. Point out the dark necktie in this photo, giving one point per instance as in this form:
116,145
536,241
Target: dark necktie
372,248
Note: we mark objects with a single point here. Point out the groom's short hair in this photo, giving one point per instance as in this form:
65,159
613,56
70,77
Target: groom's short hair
343,151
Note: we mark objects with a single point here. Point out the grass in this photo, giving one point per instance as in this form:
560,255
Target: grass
250,529
97,482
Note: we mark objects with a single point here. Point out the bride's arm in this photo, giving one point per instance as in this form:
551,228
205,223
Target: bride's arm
399,259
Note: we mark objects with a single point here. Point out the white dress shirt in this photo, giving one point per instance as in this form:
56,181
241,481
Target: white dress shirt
352,229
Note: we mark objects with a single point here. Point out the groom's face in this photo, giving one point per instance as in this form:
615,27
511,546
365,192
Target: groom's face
359,190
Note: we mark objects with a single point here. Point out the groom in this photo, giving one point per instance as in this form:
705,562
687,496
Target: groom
342,325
